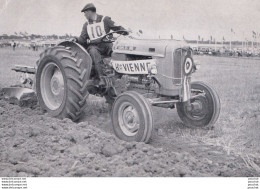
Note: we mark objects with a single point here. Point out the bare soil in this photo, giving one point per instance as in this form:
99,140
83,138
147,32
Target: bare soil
33,144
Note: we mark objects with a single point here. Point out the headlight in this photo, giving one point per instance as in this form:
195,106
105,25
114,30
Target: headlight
152,69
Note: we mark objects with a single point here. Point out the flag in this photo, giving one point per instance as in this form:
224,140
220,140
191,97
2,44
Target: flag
254,34
198,38
210,38
184,38
15,33
223,38
232,31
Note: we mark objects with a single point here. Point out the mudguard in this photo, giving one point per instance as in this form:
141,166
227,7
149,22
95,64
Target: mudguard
75,47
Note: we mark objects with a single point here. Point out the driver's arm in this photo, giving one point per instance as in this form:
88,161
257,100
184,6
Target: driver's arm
84,35
111,25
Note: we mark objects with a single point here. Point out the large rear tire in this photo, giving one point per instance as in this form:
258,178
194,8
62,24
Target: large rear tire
132,117
61,82
208,107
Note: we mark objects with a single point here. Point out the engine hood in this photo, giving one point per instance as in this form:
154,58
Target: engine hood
147,47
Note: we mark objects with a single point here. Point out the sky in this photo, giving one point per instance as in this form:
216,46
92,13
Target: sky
188,18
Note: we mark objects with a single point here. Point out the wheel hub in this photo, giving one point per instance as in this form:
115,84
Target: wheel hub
128,119
57,83
129,116
52,86
198,108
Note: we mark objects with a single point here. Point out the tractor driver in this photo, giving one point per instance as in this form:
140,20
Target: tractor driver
96,27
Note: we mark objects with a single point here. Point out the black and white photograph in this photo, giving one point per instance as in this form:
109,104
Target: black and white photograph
129,89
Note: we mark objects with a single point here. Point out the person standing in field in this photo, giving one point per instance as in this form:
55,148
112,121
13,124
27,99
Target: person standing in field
14,46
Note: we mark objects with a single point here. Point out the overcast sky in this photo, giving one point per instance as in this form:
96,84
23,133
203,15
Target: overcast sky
155,17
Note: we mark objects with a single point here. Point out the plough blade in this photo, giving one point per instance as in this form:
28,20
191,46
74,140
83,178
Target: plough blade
16,92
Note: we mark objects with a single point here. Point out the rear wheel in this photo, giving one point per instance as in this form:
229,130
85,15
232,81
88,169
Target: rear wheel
132,117
61,82
205,107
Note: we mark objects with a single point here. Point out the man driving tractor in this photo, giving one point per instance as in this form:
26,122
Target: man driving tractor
139,74
96,27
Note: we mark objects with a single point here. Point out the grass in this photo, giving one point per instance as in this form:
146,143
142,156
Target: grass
237,82
10,58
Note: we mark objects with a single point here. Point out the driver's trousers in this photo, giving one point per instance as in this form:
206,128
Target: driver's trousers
96,51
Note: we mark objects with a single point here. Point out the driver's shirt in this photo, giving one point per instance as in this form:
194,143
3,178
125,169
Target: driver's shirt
96,29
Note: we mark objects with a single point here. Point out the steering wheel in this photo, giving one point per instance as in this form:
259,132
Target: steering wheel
109,38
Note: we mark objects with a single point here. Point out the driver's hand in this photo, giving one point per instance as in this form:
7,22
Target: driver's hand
88,41
74,39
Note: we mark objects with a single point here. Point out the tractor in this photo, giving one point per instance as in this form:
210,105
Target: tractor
138,74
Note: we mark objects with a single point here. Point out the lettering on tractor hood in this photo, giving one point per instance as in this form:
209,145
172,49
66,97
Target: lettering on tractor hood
133,67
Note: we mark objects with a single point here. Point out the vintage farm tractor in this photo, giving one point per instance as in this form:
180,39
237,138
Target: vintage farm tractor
138,74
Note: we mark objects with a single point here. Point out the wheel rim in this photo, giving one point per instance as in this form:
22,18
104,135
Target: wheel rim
128,118
199,109
52,86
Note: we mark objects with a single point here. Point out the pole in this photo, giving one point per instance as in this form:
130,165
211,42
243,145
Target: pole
230,43
215,45
257,42
242,46
243,43
252,44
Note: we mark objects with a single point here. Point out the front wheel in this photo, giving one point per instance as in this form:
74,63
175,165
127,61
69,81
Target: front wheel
132,117
205,106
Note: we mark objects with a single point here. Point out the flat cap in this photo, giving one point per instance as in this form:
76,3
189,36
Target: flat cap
89,6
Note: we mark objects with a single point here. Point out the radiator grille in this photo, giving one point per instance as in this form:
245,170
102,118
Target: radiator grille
177,68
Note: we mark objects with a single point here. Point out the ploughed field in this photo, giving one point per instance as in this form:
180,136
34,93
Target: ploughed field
34,144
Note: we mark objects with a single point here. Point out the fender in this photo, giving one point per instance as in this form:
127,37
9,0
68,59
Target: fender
79,49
